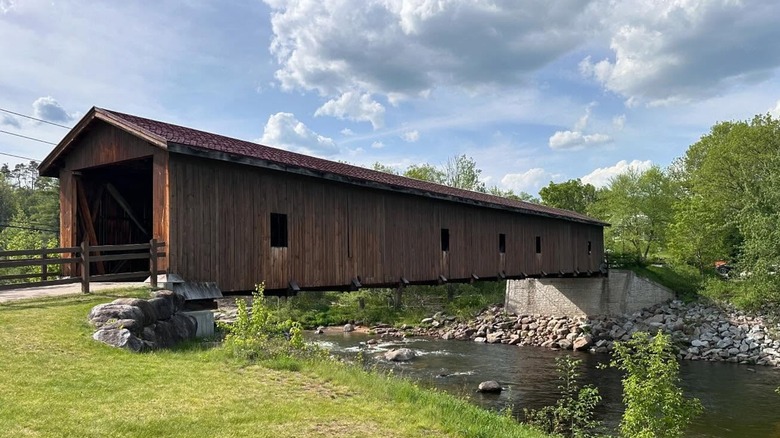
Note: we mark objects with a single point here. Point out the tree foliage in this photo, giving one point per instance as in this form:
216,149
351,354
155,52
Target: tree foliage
655,404
570,195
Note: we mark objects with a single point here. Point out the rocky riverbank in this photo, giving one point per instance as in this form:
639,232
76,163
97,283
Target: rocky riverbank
700,331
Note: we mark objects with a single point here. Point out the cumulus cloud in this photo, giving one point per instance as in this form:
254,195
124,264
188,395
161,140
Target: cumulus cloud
775,112
47,108
576,139
402,49
354,106
6,6
347,132
619,122
601,176
377,145
6,120
284,131
669,52
411,136
529,181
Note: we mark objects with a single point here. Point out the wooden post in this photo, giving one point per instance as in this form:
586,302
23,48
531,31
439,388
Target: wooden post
44,267
85,267
153,263
397,297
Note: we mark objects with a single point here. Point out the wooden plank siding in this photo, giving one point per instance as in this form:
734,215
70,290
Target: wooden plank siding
220,231
104,145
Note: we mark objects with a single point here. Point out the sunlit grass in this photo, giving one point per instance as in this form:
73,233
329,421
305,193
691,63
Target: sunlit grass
56,381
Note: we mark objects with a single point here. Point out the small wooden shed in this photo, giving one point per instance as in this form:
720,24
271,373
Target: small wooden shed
238,213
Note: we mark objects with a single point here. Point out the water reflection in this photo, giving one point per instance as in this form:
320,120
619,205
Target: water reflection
739,400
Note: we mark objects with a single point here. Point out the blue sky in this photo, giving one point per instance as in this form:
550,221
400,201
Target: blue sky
534,91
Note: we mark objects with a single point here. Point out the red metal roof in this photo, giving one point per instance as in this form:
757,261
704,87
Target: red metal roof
213,142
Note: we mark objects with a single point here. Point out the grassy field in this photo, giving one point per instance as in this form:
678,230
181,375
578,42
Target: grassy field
56,381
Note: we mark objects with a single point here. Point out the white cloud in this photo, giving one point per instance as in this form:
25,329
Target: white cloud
601,176
775,112
47,108
619,122
377,145
284,131
347,132
411,136
354,106
6,120
529,181
403,49
669,52
576,139
6,6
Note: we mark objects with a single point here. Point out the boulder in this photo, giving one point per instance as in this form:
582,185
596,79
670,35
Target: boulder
130,324
162,307
150,316
184,327
320,330
582,343
176,300
103,313
495,337
489,386
565,344
164,334
400,355
349,328
120,338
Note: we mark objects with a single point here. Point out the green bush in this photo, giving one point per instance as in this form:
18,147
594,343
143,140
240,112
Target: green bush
655,404
259,335
572,414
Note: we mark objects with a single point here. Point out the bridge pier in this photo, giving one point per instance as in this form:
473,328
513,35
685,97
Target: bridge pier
623,292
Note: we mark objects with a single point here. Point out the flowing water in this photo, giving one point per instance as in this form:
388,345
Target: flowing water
739,400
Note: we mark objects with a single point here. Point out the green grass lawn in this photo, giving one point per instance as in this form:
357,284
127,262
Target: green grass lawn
56,381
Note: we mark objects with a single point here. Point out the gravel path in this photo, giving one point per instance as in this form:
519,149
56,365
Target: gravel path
60,290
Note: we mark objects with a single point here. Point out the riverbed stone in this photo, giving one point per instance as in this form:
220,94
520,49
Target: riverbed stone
348,328
400,355
489,386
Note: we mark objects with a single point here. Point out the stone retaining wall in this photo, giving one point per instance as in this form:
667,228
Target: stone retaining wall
623,292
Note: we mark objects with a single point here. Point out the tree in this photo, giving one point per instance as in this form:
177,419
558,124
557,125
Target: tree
462,172
639,205
569,195
522,196
425,172
379,167
655,404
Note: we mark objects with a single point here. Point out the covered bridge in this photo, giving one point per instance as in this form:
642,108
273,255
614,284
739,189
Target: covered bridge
238,213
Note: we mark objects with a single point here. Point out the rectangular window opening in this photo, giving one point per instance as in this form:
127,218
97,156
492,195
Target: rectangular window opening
538,244
445,239
502,243
590,248
278,230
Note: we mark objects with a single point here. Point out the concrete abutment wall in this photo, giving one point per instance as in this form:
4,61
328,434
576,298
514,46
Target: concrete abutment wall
623,292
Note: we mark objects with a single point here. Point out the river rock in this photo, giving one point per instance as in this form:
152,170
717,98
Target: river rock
320,330
103,313
582,343
565,344
490,386
349,328
120,338
400,355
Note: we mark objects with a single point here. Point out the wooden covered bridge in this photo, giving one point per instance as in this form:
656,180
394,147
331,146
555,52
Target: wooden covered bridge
238,213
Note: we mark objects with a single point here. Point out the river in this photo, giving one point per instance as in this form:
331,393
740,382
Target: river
739,400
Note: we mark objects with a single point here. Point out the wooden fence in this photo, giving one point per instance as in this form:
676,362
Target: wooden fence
80,258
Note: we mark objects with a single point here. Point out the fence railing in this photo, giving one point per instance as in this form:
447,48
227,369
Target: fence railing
80,259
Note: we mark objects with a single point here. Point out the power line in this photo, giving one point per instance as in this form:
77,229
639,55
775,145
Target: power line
33,118
28,138
19,156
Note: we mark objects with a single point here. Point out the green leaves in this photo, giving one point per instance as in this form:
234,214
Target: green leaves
572,414
655,404
569,195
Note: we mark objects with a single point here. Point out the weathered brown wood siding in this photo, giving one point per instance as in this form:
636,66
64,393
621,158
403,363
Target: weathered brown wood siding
104,145
220,231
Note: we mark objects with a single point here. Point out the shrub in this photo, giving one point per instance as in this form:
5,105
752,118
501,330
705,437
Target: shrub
258,335
572,414
655,404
